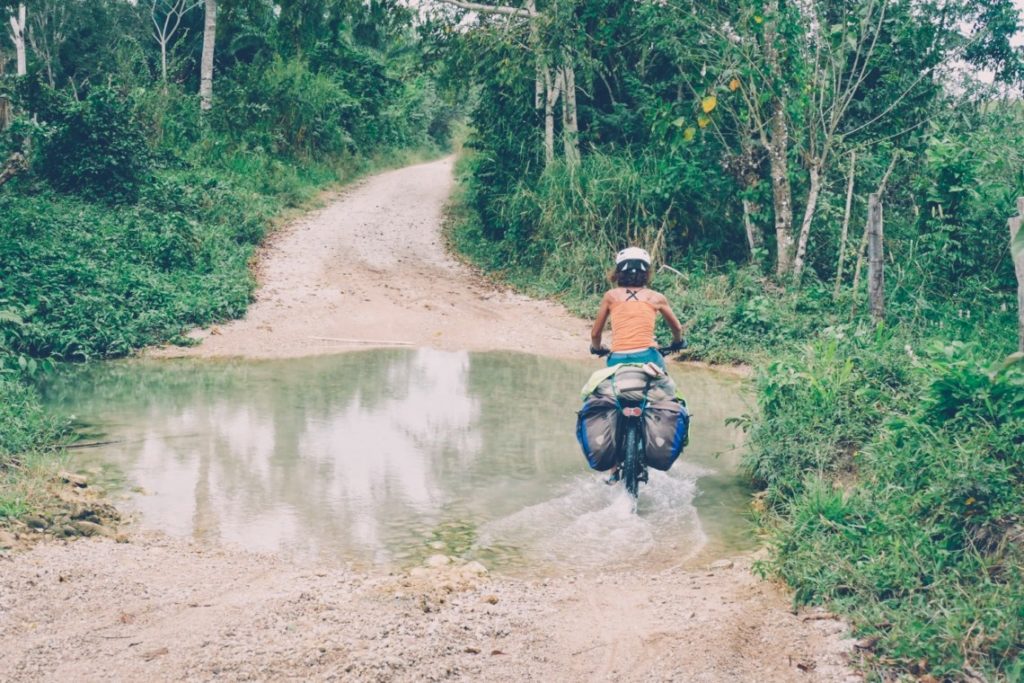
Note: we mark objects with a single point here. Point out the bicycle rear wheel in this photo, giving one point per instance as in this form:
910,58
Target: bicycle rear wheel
631,460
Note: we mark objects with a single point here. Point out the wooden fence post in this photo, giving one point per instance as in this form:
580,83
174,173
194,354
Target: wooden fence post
876,265
1017,253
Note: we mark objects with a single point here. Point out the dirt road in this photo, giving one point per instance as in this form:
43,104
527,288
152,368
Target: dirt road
370,266
164,609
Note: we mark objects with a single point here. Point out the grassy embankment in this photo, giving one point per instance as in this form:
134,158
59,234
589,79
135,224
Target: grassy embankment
890,459
82,278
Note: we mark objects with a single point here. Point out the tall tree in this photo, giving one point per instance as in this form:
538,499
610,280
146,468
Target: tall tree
775,137
167,16
555,68
18,23
47,30
206,69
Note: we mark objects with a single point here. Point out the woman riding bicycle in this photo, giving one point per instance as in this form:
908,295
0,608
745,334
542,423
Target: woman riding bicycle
633,309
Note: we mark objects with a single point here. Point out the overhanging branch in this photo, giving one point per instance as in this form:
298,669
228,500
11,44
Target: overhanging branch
492,9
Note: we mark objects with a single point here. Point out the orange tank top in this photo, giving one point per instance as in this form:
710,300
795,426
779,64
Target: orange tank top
632,323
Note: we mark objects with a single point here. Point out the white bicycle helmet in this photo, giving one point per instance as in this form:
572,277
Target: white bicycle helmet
633,254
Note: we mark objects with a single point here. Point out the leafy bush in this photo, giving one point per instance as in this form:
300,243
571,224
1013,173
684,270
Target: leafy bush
97,148
288,109
821,405
925,548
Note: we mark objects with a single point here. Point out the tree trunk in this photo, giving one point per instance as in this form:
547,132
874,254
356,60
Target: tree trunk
570,126
539,66
778,148
876,255
538,88
754,240
15,165
553,87
5,112
18,38
206,70
805,225
782,195
846,224
1017,251
163,64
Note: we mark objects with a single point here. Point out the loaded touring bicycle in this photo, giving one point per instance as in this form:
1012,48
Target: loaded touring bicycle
632,419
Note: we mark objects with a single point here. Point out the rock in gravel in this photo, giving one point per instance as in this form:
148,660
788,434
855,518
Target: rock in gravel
84,512
474,567
438,561
74,479
721,564
91,529
35,522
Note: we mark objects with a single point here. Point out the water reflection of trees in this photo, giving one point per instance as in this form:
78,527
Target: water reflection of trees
367,452
287,451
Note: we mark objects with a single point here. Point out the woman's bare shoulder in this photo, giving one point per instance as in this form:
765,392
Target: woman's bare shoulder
657,298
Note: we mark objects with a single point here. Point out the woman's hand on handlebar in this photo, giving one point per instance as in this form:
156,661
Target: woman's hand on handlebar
673,347
599,350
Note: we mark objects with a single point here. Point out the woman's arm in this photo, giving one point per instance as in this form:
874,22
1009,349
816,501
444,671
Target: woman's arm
602,318
673,322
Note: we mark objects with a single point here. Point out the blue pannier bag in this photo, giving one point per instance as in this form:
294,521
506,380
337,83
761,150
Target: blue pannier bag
666,432
595,430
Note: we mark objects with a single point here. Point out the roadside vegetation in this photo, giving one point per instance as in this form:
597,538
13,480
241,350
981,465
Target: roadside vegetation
740,142
888,448
129,212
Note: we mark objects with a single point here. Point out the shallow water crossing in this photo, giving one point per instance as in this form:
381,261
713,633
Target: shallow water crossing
387,457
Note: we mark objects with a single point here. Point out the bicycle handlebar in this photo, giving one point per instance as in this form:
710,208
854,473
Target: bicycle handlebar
663,350
672,348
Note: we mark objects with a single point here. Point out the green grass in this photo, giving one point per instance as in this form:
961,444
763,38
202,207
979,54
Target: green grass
905,511
27,456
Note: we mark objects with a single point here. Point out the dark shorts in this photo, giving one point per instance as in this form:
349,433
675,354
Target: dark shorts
651,355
